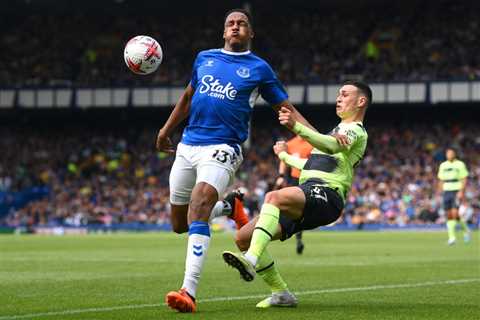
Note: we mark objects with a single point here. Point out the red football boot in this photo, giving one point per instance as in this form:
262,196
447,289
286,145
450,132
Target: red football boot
235,199
181,301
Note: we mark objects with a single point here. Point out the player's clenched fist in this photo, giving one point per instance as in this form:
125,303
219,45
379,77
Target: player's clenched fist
287,118
279,146
164,143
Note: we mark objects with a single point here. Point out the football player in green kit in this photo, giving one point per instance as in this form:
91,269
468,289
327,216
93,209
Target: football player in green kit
325,179
453,174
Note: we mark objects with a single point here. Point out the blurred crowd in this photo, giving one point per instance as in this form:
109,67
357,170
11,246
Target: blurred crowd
108,176
417,41
94,176
397,183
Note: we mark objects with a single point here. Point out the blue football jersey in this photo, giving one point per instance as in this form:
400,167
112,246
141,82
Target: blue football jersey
226,86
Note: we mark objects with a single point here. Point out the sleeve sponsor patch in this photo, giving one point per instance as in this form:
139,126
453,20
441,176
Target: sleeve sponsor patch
351,135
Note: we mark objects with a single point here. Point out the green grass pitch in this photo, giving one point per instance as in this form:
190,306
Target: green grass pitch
341,275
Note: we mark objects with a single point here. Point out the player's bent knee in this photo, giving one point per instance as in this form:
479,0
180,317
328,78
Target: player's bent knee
200,209
203,199
272,198
203,202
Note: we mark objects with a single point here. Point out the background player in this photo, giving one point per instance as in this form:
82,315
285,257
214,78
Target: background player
452,175
218,100
325,180
288,176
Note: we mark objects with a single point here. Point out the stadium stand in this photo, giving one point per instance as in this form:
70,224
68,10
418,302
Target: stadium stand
388,43
107,174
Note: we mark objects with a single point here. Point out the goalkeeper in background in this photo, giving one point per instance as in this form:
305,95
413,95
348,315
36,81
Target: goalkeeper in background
325,179
453,174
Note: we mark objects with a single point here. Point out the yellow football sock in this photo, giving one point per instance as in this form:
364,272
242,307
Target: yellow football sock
451,224
265,229
267,269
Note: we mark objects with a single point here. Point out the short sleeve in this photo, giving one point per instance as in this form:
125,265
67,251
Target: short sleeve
440,172
463,171
270,88
194,78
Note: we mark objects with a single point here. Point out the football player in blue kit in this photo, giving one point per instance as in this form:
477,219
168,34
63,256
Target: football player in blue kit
218,101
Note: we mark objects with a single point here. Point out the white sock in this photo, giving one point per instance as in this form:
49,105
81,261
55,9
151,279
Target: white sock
198,241
221,208
251,258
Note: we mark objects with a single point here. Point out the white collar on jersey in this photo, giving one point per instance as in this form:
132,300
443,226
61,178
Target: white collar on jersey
235,53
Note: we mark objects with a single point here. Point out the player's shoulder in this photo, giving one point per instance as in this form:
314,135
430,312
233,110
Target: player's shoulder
460,163
208,52
253,56
357,128
259,62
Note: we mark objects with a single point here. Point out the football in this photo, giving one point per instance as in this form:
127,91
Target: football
143,54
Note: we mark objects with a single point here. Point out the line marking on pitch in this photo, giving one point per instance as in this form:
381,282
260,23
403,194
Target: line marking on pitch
217,299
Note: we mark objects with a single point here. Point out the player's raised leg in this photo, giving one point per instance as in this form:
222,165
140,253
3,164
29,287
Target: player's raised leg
290,201
267,270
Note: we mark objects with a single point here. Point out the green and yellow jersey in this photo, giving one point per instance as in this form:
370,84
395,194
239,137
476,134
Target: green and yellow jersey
329,161
452,173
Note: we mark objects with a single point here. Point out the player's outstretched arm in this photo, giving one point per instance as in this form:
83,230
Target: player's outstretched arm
323,142
298,116
280,149
179,113
320,141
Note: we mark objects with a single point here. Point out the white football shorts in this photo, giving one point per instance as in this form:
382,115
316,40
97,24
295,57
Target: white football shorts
213,164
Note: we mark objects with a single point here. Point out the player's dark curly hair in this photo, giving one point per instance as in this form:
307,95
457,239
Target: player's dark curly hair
245,12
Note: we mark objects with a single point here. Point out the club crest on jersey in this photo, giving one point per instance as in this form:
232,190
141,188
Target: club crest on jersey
214,88
243,72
